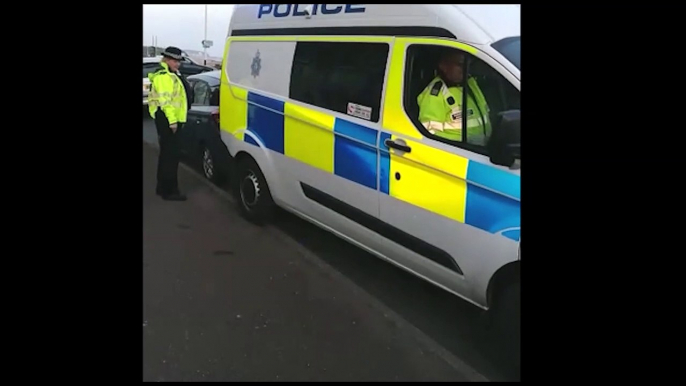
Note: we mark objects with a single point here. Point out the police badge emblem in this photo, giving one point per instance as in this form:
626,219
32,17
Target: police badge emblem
256,65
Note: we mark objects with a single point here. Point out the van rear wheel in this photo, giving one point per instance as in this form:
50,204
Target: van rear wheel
252,192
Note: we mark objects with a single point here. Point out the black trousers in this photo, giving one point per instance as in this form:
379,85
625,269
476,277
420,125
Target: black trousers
168,162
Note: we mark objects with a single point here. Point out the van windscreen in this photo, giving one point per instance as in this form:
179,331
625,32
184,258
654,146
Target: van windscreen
510,48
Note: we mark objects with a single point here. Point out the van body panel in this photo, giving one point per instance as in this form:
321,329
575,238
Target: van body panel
444,213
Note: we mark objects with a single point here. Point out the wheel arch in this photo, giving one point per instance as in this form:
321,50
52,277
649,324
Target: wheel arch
504,276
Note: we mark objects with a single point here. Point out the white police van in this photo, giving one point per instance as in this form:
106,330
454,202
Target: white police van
319,110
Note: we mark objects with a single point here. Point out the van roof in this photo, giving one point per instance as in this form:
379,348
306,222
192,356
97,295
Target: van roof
471,23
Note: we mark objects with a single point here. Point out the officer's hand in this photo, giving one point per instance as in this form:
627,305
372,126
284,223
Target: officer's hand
173,128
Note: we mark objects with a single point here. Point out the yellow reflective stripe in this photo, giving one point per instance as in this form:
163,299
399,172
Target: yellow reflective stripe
163,98
452,126
474,122
155,94
433,125
354,39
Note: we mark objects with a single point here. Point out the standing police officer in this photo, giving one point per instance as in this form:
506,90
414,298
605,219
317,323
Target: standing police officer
168,104
440,104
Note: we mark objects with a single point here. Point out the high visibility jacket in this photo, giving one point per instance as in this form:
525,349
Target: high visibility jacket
167,92
440,111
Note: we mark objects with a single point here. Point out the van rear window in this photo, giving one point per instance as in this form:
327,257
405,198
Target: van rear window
334,75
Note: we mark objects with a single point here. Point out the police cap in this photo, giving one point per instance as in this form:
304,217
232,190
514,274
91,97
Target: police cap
173,52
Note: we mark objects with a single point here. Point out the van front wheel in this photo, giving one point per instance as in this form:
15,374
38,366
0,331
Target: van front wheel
252,192
506,320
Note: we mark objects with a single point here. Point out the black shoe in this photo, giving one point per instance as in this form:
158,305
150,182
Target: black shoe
174,197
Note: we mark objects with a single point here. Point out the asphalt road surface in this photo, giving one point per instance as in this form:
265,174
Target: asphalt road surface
207,253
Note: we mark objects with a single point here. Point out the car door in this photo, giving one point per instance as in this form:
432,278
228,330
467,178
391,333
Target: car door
203,116
190,136
455,213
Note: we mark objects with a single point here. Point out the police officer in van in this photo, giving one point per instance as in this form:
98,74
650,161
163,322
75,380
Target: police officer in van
440,104
168,103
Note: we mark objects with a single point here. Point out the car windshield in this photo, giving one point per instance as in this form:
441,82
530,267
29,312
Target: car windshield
510,48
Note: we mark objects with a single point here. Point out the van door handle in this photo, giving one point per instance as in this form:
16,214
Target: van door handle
398,146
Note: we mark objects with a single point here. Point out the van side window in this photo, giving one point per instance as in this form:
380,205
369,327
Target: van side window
334,75
438,112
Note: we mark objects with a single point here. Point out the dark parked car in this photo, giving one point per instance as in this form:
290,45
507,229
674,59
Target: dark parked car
200,139
189,67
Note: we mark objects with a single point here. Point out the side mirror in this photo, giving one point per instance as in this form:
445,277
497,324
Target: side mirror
504,144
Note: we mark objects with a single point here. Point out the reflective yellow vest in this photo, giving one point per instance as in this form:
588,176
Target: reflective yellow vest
167,92
444,119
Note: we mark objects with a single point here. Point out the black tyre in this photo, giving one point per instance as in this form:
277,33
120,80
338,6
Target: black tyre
253,197
505,321
211,166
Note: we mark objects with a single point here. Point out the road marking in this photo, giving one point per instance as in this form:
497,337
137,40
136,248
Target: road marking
459,365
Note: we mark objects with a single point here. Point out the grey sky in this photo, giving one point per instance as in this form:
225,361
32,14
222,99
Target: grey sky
184,25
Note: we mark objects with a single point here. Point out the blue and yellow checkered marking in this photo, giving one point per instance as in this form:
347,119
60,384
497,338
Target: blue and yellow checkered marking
495,179
265,120
492,211
482,196
355,153
384,164
308,136
493,200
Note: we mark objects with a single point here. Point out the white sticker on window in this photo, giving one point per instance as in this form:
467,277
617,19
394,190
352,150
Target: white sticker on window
360,111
